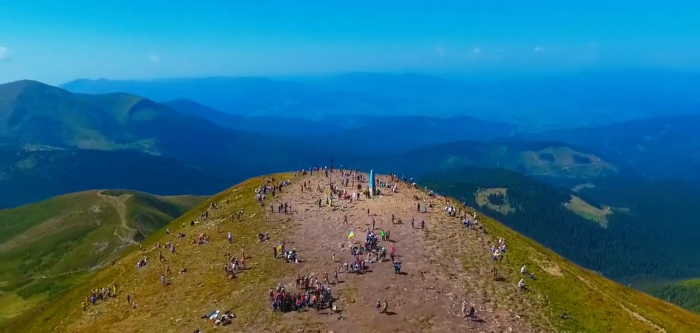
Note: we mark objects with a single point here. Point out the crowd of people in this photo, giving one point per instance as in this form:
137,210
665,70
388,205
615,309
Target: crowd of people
311,292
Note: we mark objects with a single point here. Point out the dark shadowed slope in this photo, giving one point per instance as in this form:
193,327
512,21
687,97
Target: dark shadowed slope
282,126
31,175
192,108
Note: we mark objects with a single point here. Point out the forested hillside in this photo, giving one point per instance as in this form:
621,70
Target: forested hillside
645,240
32,175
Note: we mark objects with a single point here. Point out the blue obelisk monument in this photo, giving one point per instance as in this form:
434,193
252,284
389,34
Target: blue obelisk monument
372,186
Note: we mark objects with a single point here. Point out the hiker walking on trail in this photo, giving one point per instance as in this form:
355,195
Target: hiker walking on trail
230,238
422,225
162,280
373,222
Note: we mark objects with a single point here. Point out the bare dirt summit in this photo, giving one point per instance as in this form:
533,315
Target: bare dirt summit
446,268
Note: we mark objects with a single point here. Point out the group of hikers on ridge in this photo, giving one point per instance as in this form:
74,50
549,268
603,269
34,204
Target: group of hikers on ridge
312,292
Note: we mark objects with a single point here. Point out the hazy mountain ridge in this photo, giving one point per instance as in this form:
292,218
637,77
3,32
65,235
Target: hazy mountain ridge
37,115
543,158
660,147
536,102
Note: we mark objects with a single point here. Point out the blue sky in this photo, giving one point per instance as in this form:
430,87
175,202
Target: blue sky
56,41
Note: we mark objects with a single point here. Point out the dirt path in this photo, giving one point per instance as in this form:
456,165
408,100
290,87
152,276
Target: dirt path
119,204
444,265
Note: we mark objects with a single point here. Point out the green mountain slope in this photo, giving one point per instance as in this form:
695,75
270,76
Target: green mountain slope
634,241
41,114
47,246
35,116
564,297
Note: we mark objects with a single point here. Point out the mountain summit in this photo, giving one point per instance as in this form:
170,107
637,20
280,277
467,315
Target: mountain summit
247,249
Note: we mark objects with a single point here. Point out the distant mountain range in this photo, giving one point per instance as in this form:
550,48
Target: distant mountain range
541,159
52,141
533,102
386,133
661,147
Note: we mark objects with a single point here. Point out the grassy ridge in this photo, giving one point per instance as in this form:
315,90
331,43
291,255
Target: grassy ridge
592,302
203,288
46,247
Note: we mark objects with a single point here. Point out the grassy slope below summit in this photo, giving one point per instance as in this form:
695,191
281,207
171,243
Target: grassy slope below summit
187,293
635,246
593,303
46,246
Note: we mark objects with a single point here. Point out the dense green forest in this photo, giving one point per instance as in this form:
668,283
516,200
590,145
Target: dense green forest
685,293
32,176
649,237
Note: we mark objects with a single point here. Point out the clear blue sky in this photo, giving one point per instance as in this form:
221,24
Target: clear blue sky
59,40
